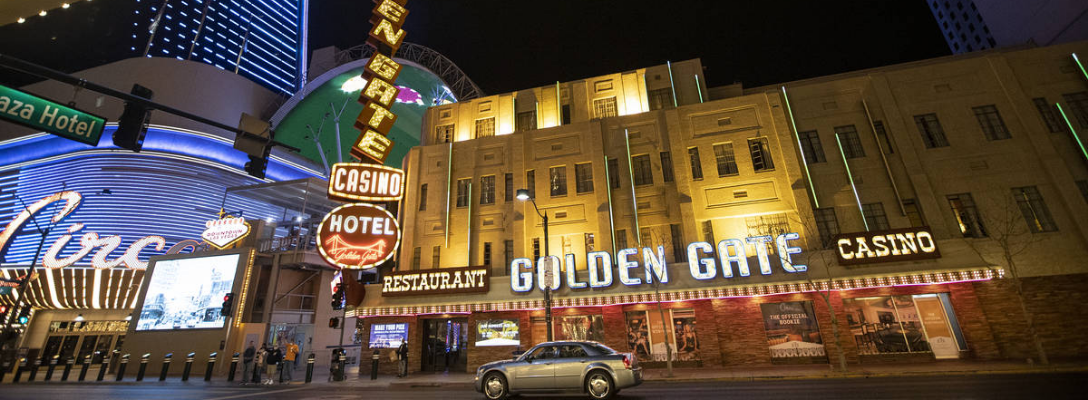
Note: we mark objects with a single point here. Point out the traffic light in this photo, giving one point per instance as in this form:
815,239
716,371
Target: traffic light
256,142
256,166
334,322
24,315
338,297
132,126
228,304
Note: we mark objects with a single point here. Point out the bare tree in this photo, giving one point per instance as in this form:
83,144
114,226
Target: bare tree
658,238
825,284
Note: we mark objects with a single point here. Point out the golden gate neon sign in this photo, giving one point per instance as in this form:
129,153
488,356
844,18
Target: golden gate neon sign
380,73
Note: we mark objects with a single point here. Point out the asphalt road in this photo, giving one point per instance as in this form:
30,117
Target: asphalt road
1027,386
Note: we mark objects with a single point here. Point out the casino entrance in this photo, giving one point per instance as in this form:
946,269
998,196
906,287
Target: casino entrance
444,345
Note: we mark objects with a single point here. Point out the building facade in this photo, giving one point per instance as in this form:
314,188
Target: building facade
970,25
725,226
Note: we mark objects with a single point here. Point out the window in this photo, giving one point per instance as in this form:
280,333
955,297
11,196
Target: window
727,163
761,155
967,218
463,188
767,225
423,197
566,243
645,237
930,129
666,167
416,252
443,133
660,98
485,127
1034,209
708,231
536,250
990,121
875,216
914,213
850,142
1049,115
827,224
885,317
508,253
679,252
487,254
527,120
811,147
1083,186
557,181
614,173
882,135
641,167
621,239
1078,106
436,256
508,187
530,182
583,178
604,108
487,189
696,164
590,245
566,114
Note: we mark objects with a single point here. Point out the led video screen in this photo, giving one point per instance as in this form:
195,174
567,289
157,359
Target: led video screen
188,293
497,332
388,336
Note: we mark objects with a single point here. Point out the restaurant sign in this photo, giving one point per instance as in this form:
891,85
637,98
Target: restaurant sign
442,281
358,236
365,182
909,244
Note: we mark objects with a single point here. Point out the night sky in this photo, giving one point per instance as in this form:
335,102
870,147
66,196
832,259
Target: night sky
508,45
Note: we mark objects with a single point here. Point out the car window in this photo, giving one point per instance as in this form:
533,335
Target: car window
543,352
601,349
572,351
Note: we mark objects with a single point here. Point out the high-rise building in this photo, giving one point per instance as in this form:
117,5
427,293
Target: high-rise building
962,25
970,25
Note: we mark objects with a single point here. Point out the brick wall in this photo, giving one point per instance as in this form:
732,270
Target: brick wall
1059,305
478,356
387,366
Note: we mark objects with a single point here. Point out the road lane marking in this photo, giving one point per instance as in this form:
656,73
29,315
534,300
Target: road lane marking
252,394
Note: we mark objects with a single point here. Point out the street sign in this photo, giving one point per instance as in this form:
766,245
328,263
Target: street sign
49,116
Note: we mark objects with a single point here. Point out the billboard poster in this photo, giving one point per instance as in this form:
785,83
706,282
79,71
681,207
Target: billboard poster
388,336
187,293
687,343
792,330
936,327
497,332
580,327
638,334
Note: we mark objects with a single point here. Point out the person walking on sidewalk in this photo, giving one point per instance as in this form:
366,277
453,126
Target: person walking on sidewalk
272,360
258,363
247,362
289,361
402,356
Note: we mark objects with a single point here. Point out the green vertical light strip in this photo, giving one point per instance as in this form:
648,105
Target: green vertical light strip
631,173
539,118
558,106
514,112
804,162
850,177
1079,65
1072,131
699,88
468,239
449,191
611,217
672,85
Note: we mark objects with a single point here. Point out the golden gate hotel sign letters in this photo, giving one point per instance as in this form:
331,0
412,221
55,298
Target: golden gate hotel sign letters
380,72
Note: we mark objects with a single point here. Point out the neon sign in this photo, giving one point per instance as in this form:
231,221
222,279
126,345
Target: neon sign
358,236
365,182
908,244
224,232
377,97
88,242
634,270
444,281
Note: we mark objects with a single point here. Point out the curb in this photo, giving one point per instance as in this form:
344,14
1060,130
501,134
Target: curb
857,375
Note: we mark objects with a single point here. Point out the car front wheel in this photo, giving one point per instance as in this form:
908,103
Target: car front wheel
599,385
495,387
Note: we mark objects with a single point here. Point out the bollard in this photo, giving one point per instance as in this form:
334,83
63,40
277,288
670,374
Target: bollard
4,369
83,369
310,368
34,369
374,365
121,369
102,367
210,367
52,367
188,367
233,367
340,373
68,368
19,370
143,367
165,366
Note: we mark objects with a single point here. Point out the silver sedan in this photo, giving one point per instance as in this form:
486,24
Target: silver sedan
587,367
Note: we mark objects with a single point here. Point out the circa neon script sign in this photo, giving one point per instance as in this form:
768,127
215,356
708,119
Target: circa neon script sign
632,272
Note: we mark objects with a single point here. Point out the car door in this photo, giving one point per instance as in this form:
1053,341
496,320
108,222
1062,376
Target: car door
538,371
569,366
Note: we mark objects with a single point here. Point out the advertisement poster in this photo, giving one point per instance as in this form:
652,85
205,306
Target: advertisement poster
497,332
936,327
582,327
187,293
687,343
792,330
638,334
388,336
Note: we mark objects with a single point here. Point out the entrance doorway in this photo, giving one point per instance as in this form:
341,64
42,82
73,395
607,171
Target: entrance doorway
444,345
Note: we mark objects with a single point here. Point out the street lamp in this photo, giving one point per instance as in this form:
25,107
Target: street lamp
523,194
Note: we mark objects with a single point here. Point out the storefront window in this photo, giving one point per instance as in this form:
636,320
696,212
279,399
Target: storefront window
687,343
580,327
792,330
904,324
646,334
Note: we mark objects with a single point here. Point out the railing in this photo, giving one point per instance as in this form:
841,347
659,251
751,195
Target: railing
305,242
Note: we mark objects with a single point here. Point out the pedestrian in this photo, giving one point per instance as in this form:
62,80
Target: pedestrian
272,360
289,358
402,356
247,362
258,363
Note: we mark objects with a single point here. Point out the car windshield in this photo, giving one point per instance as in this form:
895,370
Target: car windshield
600,348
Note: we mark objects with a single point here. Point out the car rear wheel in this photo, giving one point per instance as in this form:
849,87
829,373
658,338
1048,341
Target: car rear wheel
599,385
495,387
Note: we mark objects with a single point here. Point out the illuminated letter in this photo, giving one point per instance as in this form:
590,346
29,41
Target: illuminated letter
106,246
761,251
605,280
784,252
701,268
396,185
907,242
881,248
338,181
391,10
626,265
72,200
381,91
863,249
655,266
50,260
384,67
552,263
385,32
372,145
844,247
727,260
336,223
131,255
925,241
572,277
376,117
891,243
